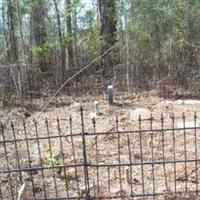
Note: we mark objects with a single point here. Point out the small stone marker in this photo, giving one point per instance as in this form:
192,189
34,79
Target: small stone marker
121,101
93,116
96,108
133,114
110,95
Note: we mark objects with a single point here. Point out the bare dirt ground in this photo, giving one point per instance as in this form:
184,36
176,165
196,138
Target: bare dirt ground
157,146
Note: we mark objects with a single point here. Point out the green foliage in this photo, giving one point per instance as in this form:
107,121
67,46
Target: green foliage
158,31
52,161
69,38
7,96
156,24
46,48
25,6
193,80
89,17
93,42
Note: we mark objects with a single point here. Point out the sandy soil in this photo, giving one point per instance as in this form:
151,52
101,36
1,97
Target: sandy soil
108,148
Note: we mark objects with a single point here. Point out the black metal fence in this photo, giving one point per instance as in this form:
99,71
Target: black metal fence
158,159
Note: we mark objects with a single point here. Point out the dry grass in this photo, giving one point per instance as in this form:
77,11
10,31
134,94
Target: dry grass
107,149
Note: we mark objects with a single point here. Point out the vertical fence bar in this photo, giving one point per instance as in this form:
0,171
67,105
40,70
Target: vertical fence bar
108,169
196,153
7,162
85,163
94,189
17,153
163,151
185,154
152,156
174,150
141,155
1,196
97,161
131,165
74,155
29,158
97,155
119,154
63,159
51,156
40,157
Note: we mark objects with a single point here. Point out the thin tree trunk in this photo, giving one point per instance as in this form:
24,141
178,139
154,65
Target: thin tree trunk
127,56
108,20
69,33
5,33
12,30
20,27
14,45
30,57
190,30
39,32
62,45
75,27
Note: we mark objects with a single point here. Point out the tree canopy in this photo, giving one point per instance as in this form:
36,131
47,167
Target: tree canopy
157,40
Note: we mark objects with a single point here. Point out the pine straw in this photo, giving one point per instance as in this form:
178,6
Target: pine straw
107,149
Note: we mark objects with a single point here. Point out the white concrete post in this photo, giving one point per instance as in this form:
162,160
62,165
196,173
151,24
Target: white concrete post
96,108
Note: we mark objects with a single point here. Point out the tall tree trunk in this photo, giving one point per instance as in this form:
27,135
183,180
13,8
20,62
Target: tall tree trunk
16,72
20,28
190,22
62,45
12,29
30,49
39,32
158,54
69,33
5,33
107,10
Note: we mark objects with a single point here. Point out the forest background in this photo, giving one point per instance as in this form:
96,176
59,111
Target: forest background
138,43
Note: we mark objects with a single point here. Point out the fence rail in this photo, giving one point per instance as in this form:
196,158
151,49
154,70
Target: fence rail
156,160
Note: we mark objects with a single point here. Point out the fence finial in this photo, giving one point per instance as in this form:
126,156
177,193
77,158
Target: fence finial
139,119
81,108
195,115
162,118
183,116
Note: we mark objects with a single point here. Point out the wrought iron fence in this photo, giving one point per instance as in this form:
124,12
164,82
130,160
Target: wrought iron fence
158,159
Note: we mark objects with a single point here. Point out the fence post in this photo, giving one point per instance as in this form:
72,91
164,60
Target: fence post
85,162
110,95
7,161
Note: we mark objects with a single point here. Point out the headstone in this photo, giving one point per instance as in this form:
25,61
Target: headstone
93,116
110,95
184,102
96,108
192,102
179,102
121,101
133,114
